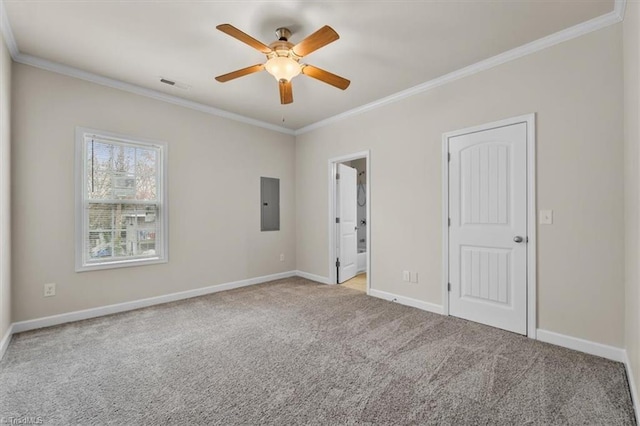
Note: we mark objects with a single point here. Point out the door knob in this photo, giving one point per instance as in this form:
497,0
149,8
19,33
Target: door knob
518,239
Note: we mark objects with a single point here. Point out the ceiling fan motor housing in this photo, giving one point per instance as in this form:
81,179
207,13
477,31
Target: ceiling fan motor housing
282,46
283,34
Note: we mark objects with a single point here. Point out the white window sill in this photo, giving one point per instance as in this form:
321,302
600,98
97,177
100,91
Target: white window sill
116,264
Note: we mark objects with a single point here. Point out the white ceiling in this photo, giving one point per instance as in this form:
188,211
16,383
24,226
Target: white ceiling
384,46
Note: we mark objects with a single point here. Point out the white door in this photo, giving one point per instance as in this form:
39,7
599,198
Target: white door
347,226
488,230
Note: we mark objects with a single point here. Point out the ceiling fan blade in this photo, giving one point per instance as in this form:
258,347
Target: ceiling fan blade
315,41
244,37
325,77
239,73
286,92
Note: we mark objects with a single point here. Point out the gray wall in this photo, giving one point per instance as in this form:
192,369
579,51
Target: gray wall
576,90
214,195
632,185
5,188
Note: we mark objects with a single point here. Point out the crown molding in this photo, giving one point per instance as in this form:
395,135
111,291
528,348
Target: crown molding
48,65
619,8
611,18
570,33
45,64
7,33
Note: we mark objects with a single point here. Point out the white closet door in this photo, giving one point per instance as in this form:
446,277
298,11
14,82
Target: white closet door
488,231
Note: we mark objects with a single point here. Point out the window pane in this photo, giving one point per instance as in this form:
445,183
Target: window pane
118,231
120,172
146,174
99,160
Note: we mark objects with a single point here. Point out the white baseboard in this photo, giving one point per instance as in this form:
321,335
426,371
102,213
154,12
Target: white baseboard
581,345
408,301
313,277
632,387
21,326
4,343
598,349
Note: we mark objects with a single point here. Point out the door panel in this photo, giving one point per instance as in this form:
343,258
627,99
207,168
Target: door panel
484,171
485,274
488,209
348,226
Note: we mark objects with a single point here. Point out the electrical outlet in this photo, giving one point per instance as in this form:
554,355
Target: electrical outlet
406,276
282,257
49,289
414,277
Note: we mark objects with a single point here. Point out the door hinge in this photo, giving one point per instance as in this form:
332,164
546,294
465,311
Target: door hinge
449,221
337,176
448,156
448,286
337,263
337,220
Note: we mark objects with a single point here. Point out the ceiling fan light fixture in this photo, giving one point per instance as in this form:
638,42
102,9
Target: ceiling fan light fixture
283,68
283,59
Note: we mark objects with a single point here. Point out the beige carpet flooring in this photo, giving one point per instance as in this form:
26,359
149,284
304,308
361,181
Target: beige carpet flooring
294,352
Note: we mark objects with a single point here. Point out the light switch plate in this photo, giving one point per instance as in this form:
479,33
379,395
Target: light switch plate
414,277
406,276
546,217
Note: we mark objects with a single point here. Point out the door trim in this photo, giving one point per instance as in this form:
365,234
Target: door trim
529,119
332,212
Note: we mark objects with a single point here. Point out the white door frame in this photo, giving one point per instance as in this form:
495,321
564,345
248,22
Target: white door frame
530,120
333,162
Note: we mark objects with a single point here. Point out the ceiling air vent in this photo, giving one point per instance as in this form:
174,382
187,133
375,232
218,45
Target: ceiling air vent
174,83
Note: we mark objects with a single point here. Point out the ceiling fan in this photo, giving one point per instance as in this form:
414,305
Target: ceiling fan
283,58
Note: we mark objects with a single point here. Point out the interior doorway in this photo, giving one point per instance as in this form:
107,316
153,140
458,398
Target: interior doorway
350,221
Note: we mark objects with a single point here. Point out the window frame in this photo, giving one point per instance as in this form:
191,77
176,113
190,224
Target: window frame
81,213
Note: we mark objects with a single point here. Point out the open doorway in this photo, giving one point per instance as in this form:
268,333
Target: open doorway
350,221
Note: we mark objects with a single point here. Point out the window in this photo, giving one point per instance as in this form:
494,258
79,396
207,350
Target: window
121,201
